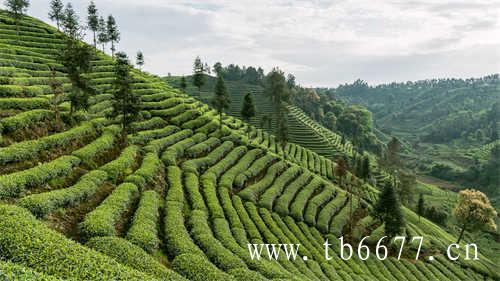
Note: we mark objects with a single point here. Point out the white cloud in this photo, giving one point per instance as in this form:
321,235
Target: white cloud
322,42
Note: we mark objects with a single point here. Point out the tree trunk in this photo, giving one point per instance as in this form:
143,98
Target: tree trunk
220,123
95,41
461,234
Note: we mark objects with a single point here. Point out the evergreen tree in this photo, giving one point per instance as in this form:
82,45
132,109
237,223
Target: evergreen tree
183,83
126,104
366,168
221,99
57,91
341,171
276,89
113,34
420,206
56,12
93,21
102,33
70,23
17,8
388,211
248,109
198,75
139,60
75,58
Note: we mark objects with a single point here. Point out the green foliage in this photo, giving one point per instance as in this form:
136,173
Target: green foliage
24,120
144,230
149,170
41,204
55,254
13,271
102,220
93,20
126,103
112,33
13,184
197,268
199,78
132,256
56,12
122,165
101,144
388,211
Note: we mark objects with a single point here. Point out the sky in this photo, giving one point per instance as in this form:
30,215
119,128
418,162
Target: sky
323,43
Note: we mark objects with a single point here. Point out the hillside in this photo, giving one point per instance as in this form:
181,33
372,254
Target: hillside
181,201
449,126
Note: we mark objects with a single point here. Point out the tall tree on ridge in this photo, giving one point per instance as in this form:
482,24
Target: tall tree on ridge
277,91
198,75
102,33
248,110
56,12
57,91
221,99
126,103
17,8
93,21
388,210
113,33
139,60
420,206
70,23
183,83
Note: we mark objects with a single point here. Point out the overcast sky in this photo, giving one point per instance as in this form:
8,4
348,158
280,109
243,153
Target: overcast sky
322,42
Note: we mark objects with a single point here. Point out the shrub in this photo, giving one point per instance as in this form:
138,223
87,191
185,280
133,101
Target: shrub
13,184
144,230
252,192
177,238
143,137
123,164
102,220
256,168
30,149
283,202
24,103
132,256
195,267
150,168
158,145
103,143
30,243
175,151
300,201
13,271
200,164
44,203
24,120
324,196
268,197
153,123
203,147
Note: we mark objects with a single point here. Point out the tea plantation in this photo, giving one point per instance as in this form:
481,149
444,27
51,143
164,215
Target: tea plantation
180,202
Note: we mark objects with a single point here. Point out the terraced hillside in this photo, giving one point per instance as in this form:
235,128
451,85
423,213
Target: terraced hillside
302,129
181,201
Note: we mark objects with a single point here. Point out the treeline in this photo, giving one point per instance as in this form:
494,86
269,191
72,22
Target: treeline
235,72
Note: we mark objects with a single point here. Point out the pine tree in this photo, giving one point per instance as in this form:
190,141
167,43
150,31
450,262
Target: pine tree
139,60
70,23
93,21
366,168
221,99
420,206
102,33
388,211
17,8
248,109
76,59
183,83
198,75
56,12
113,34
276,90
57,91
126,103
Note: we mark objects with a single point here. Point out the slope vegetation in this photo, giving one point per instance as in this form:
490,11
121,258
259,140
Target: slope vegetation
181,201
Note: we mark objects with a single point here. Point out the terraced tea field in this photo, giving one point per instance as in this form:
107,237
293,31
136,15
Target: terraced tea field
181,201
